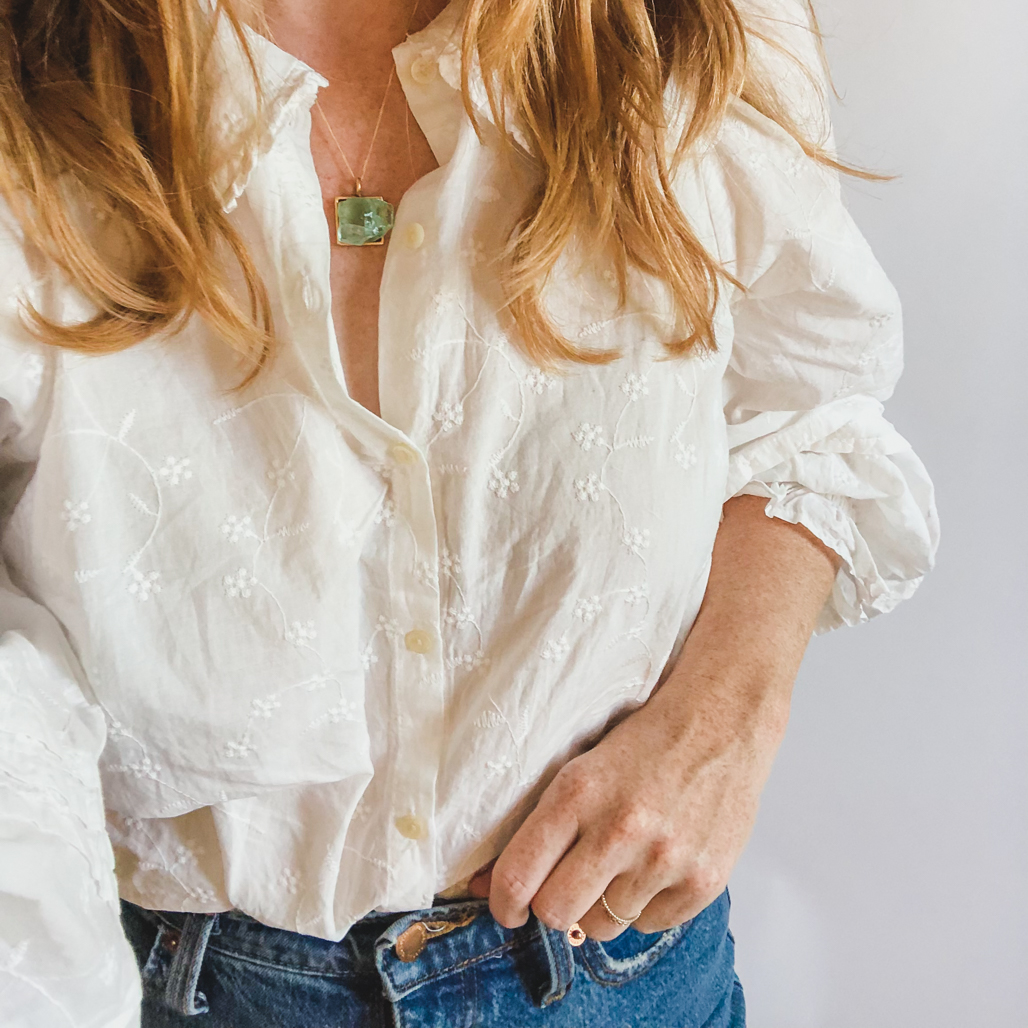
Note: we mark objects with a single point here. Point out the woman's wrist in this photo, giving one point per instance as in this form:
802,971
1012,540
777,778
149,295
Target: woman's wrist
723,713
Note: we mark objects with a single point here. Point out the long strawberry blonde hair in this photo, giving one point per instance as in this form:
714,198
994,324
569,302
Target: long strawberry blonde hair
114,96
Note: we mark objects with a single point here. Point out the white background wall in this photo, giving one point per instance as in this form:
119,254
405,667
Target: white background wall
886,885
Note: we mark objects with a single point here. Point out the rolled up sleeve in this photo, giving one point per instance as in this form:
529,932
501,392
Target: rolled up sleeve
818,347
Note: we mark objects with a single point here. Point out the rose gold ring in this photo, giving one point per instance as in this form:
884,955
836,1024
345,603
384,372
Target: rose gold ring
575,935
623,921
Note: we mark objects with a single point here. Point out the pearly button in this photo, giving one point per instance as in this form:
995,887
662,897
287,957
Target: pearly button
410,826
423,69
413,235
401,453
419,641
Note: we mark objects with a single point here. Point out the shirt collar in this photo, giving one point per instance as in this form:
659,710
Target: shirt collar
285,83
288,85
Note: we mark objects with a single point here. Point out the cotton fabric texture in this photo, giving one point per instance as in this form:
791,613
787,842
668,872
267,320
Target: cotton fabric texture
229,971
313,663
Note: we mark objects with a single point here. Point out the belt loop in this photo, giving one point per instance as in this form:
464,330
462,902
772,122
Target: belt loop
180,991
561,961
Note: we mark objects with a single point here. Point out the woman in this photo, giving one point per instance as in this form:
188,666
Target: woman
338,571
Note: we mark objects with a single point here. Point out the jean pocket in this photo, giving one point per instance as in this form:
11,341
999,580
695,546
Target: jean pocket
628,956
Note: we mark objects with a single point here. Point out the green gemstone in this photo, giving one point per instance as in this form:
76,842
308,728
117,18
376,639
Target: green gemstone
361,220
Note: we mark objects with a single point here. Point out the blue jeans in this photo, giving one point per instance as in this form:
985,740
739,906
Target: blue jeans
230,971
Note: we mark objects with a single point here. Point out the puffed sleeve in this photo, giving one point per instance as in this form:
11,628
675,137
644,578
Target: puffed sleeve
64,959
817,348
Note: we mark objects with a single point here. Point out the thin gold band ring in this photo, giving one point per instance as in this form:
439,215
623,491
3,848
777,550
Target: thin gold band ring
623,921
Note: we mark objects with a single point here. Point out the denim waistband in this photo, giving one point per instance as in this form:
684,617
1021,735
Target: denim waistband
408,949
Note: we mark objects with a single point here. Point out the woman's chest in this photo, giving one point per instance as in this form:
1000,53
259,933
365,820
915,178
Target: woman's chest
398,155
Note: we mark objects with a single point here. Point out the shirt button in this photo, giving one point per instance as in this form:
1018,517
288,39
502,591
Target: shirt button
418,641
413,235
410,826
403,454
423,69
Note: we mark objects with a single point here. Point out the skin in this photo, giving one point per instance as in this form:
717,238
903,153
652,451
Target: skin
658,812
350,43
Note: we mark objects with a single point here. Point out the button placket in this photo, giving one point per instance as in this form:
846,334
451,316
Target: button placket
416,682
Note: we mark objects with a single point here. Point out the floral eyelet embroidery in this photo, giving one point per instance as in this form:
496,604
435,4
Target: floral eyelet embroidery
239,584
556,649
685,454
386,514
301,632
475,253
279,474
34,367
588,488
264,708
344,710
449,416
634,386
587,436
449,563
539,382
235,528
288,880
468,661
175,470
503,483
142,768
75,515
637,540
588,610
389,626
495,768
458,618
143,585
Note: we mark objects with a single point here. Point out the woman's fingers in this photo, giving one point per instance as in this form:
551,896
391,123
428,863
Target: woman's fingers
680,902
526,862
626,896
582,836
574,885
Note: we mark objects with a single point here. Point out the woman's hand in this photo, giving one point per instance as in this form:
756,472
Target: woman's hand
655,815
658,812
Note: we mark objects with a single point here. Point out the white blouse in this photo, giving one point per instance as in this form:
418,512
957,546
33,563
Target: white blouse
312,662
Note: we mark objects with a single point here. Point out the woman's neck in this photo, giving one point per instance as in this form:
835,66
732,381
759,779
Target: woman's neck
348,41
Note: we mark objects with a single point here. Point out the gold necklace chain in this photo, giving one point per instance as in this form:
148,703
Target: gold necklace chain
357,179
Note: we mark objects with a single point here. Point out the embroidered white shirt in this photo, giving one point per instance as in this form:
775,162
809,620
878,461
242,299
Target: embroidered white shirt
313,662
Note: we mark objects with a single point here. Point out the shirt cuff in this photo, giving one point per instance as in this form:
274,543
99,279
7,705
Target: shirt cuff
875,510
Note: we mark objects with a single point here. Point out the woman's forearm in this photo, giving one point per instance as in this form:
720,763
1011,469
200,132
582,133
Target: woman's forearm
768,582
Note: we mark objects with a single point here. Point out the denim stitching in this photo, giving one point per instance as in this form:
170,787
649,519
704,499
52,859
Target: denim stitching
245,958
446,971
293,969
